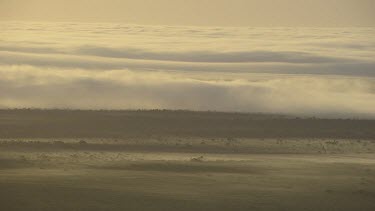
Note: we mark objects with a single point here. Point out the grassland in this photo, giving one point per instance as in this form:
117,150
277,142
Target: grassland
164,160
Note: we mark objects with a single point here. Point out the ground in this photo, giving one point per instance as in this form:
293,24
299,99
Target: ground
176,173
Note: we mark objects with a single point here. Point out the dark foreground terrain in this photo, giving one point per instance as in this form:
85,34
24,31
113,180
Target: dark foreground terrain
128,124
164,160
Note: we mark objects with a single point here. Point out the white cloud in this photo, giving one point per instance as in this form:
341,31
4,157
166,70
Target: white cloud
26,86
324,72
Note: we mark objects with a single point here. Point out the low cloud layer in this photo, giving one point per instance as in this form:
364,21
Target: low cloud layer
320,72
25,86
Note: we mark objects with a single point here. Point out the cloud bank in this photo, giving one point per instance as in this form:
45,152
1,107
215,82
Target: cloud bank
320,72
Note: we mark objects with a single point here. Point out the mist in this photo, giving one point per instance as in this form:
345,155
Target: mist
299,71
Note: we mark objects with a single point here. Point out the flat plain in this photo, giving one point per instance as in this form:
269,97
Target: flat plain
182,160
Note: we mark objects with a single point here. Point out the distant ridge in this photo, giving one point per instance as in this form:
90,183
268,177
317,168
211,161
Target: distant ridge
38,123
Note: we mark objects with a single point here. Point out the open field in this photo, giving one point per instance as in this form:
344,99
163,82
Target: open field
100,161
159,123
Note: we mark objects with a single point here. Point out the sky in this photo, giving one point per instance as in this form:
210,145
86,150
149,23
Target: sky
112,54
314,13
325,72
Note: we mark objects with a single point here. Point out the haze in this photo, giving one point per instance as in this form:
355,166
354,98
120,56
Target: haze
187,105
113,54
196,12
